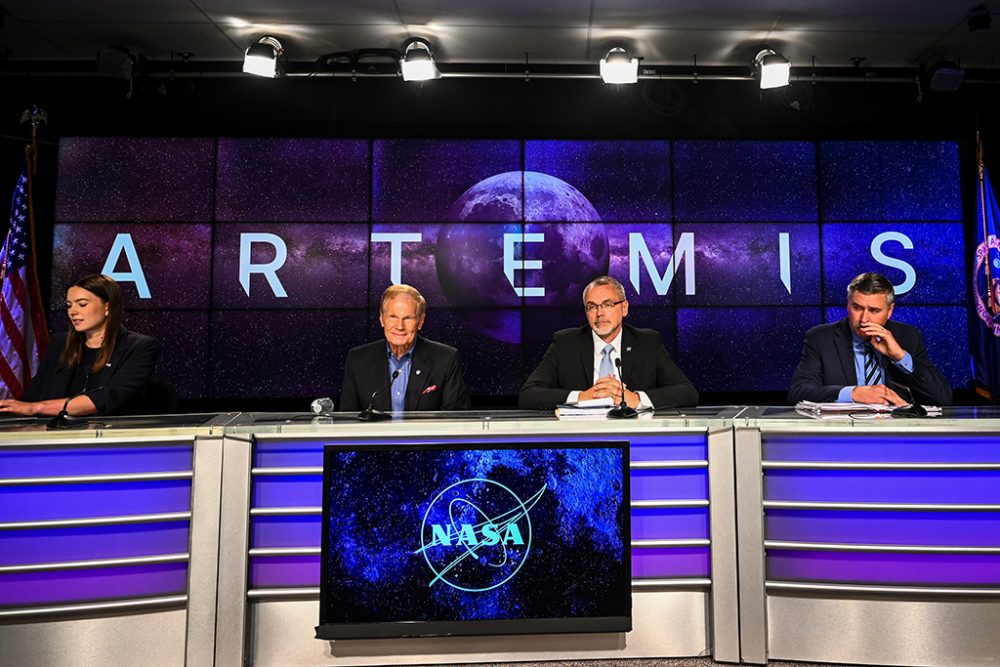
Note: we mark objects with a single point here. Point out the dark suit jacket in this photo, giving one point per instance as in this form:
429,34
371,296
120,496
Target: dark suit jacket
827,366
434,365
120,384
568,365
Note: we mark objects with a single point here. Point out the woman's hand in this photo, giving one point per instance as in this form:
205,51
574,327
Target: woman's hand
18,407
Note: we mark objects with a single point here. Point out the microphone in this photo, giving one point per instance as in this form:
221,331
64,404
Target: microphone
623,411
370,414
322,406
914,409
64,420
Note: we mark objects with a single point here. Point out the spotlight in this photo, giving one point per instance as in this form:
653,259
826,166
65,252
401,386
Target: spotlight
771,68
417,63
266,57
945,77
617,67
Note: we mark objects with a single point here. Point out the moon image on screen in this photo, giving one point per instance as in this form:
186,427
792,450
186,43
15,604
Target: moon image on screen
470,257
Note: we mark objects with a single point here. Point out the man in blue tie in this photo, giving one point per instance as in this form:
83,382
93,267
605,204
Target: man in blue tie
582,363
404,371
865,357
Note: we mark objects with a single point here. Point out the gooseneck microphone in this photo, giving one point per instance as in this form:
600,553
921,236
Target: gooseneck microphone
623,411
64,420
370,414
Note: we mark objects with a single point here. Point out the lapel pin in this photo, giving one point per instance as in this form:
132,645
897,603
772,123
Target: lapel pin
628,349
418,372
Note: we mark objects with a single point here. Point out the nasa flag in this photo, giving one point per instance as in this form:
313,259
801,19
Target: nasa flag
986,279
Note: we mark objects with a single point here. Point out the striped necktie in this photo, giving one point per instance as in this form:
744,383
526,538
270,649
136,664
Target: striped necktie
873,372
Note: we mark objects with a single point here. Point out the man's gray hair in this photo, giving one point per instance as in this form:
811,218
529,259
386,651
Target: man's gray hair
605,280
872,283
394,291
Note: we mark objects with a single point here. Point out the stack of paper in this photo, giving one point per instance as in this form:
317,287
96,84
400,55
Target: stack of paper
856,410
596,408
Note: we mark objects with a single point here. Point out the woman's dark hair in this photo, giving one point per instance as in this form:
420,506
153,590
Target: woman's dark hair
108,291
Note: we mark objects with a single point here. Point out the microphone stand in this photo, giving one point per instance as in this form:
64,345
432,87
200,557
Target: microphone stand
63,420
622,411
370,414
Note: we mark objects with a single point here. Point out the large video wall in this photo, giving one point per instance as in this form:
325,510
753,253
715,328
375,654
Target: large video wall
259,262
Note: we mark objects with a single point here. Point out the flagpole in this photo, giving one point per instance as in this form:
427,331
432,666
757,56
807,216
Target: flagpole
36,117
990,301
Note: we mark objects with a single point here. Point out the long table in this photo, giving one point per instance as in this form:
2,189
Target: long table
756,534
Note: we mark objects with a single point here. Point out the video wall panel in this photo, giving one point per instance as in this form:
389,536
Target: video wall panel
259,262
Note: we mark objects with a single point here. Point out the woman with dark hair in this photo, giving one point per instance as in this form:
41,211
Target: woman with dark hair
99,365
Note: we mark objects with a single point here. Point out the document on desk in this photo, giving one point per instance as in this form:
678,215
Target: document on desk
595,408
855,410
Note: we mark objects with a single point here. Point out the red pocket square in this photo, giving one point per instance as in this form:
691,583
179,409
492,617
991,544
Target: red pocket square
429,389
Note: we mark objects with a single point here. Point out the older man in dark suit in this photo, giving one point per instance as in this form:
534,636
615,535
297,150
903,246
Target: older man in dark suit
866,358
581,363
405,371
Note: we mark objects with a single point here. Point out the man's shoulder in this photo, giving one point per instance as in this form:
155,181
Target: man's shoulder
824,331
570,334
641,334
903,328
433,347
368,349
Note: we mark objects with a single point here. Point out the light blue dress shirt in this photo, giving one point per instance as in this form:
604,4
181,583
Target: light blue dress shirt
402,365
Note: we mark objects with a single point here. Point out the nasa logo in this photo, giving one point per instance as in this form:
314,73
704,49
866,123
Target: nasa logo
476,534
988,283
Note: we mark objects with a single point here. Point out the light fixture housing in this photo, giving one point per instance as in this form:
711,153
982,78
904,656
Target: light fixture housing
772,69
618,67
417,63
265,57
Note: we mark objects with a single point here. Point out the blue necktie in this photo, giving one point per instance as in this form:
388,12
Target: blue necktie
607,368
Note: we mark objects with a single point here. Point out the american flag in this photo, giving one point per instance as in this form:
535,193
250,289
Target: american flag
24,335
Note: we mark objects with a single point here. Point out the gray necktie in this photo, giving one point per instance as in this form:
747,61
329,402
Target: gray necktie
607,368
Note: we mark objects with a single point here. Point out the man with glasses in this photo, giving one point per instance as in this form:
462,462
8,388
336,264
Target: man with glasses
583,363
865,357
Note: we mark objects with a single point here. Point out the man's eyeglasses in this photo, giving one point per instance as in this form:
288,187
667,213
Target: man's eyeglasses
607,305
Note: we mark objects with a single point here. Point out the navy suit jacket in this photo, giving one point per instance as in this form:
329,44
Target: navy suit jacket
121,384
568,365
435,381
827,366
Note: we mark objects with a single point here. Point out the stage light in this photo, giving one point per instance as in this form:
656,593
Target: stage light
617,67
771,69
265,57
417,63
945,77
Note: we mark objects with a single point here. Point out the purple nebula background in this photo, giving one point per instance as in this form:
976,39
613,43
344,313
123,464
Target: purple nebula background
288,353
660,244
745,181
582,246
326,266
107,179
174,258
624,180
469,262
940,277
292,180
418,262
739,264
752,348
418,180
185,202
